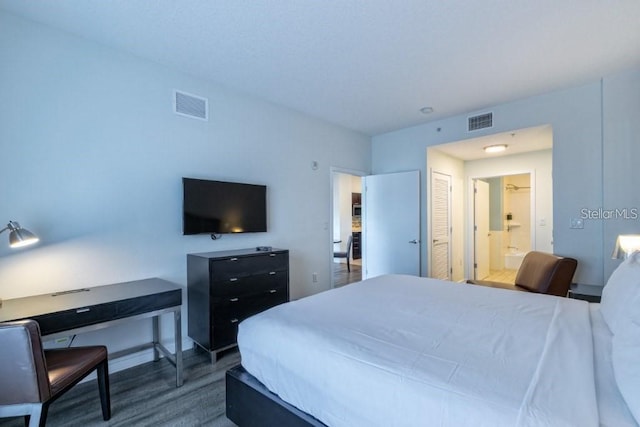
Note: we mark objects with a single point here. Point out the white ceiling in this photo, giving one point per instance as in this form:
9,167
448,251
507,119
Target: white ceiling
368,65
517,142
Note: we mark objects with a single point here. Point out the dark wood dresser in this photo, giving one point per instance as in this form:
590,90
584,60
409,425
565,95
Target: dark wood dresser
226,287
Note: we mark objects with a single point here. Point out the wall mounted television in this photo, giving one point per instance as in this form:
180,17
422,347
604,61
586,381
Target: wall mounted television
218,207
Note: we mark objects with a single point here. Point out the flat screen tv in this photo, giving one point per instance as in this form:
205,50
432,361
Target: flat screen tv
218,207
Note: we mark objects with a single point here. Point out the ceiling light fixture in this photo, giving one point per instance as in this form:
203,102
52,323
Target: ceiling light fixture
426,110
495,148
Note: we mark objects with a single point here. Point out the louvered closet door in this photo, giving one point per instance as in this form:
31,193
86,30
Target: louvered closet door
440,226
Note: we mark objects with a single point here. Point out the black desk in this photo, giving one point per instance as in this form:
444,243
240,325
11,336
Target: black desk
89,309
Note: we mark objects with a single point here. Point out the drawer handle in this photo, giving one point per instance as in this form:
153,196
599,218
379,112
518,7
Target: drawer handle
233,299
233,279
272,291
233,259
234,320
272,254
83,310
271,273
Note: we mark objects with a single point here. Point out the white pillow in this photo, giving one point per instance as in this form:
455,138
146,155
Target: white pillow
625,356
621,293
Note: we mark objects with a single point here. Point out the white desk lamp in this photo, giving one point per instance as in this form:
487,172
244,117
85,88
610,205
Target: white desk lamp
18,237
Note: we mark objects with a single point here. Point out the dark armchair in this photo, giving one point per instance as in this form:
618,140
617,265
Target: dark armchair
32,378
541,273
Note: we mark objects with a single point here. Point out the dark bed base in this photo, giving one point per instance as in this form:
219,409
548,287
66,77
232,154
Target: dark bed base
249,403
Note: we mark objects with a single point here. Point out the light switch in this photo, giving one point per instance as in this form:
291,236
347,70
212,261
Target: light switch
576,223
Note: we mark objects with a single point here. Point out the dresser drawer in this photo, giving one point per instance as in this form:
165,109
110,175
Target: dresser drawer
275,291
228,314
236,311
245,285
234,267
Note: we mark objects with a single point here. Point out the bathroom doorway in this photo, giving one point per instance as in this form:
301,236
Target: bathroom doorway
527,151
502,224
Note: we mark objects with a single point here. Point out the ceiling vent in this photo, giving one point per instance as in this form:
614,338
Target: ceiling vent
481,121
189,105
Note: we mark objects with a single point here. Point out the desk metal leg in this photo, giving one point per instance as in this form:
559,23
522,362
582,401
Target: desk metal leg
178,336
156,337
174,358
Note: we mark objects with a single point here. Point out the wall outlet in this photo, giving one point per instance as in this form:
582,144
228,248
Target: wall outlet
576,223
314,277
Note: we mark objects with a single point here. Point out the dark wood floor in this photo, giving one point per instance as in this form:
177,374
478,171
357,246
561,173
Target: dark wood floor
341,276
146,395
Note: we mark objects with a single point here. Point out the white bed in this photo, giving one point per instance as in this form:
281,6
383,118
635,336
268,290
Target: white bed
612,408
400,350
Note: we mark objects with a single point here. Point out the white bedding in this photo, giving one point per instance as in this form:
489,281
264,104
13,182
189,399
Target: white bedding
612,408
408,351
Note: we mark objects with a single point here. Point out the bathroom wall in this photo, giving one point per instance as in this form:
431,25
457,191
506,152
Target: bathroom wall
517,202
496,223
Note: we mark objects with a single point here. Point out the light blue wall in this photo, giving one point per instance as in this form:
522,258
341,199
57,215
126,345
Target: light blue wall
575,115
621,153
92,160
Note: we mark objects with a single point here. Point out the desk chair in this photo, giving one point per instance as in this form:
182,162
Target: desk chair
346,254
541,273
32,378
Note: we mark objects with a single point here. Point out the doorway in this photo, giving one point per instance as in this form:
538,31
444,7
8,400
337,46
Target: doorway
346,227
502,227
388,224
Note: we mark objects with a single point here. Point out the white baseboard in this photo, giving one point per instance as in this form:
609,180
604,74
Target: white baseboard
135,359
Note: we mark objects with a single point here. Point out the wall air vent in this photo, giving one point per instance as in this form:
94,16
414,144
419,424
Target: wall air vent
481,121
189,105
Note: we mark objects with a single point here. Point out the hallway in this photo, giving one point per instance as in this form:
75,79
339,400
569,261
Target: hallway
343,277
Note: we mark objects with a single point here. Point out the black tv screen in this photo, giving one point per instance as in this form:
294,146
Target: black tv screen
216,207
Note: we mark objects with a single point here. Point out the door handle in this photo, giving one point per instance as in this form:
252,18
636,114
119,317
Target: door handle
414,241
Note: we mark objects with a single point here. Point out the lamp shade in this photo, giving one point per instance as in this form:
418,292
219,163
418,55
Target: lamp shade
626,244
18,236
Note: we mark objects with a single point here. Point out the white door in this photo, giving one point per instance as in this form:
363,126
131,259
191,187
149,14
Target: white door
391,224
481,229
440,226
